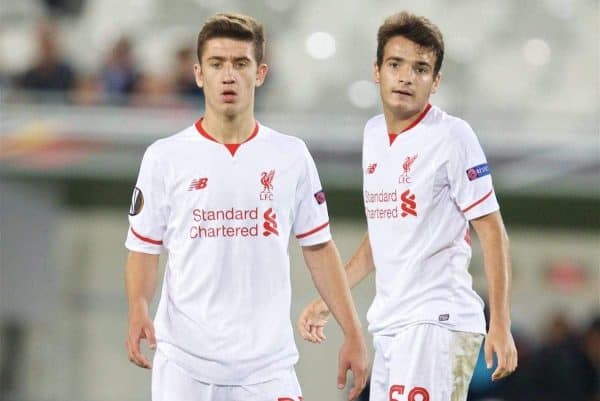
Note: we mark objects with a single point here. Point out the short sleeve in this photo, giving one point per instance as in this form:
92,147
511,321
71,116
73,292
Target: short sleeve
147,213
469,174
311,223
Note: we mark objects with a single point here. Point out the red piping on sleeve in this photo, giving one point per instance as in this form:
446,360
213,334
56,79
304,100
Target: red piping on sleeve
314,230
465,210
146,239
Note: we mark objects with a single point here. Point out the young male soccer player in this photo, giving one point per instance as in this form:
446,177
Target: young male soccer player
425,178
222,197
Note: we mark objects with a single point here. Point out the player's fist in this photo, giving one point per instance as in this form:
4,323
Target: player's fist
312,321
140,326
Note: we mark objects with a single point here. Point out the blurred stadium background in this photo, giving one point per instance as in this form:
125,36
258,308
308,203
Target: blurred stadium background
86,85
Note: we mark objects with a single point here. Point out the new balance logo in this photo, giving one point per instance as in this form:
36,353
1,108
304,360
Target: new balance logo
371,168
409,206
198,183
270,224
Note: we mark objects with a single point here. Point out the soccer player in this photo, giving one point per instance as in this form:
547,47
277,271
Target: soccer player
222,197
425,178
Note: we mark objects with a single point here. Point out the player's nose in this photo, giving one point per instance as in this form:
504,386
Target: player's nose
228,74
405,74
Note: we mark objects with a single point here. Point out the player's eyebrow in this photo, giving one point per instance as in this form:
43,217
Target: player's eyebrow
420,63
423,64
394,58
221,58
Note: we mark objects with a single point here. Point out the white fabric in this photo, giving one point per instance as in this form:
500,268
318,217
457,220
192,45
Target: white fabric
224,312
172,383
424,362
418,200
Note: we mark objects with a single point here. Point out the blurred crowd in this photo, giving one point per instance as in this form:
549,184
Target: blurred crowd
118,81
565,365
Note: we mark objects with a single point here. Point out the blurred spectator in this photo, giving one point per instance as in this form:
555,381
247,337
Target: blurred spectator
64,7
185,81
50,71
558,371
88,91
590,361
119,74
155,91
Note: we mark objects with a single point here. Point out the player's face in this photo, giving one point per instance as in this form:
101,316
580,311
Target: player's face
406,78
229,74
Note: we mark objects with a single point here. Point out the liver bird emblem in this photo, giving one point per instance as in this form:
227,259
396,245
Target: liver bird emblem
408,163
266,179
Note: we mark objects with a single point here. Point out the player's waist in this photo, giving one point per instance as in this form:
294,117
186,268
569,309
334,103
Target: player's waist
229,369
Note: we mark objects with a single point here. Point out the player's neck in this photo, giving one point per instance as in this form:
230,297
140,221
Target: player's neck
398,121
226,129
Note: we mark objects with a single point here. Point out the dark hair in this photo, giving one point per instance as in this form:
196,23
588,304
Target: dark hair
417,29
233,26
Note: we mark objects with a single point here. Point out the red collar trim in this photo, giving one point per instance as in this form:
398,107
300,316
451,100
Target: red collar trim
393,136
232,147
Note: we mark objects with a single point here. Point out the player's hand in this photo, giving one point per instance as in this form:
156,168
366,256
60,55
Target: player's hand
312,321
140,326
353,356
499,340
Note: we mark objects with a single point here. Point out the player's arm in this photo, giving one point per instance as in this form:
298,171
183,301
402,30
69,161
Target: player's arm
325,265
314,317
496,259
141,277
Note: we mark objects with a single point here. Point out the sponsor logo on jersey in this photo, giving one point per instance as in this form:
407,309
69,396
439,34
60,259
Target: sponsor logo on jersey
198,183
444,318
478,171
137,202
406,167
320,197
409,205
232,223
270,224
371,168
266,179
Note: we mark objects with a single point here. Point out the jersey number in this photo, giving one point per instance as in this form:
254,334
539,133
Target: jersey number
397,390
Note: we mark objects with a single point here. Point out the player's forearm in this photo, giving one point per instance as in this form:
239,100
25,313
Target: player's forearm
141,276
326,268
496,259
361,263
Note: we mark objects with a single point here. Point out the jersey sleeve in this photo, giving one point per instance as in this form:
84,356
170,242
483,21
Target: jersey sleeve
311,223
147,213
469,174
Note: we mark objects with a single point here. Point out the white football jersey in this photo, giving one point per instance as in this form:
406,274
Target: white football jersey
420,190
224,214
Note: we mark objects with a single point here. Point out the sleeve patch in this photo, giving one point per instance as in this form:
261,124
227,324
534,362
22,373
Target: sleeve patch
137,202
320,197
478,171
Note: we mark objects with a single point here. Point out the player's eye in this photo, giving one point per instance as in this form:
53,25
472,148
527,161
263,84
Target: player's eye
241,64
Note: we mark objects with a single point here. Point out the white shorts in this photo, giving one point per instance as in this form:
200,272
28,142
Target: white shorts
424,362
171,383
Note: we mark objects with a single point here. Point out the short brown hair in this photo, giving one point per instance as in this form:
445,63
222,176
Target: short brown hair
233,26
417,29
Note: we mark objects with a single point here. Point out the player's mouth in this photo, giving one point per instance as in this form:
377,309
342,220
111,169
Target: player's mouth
229,96
402,93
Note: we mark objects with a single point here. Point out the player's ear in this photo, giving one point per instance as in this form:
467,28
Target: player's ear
436,82
376,72
261,74
198,75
